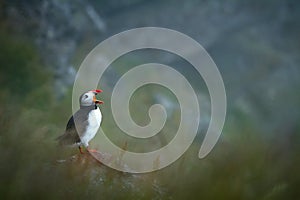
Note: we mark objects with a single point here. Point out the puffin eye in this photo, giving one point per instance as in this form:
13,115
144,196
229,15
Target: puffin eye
86,96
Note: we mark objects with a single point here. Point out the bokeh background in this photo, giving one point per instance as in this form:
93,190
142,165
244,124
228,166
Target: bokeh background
256,46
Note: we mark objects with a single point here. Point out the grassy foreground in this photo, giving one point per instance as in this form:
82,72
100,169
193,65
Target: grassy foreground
245,164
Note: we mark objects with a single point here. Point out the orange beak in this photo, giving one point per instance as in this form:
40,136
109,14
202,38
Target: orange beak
96,100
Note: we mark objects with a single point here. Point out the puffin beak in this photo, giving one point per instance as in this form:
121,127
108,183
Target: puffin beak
96,91
96,100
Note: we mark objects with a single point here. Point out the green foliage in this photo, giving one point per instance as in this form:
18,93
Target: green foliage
244,164
19,70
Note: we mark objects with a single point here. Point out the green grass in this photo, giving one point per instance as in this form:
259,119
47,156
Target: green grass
245,164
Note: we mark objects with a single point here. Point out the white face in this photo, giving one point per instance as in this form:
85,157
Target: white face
87,99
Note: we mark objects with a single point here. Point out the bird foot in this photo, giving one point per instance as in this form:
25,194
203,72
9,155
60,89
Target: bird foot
93,150
80,149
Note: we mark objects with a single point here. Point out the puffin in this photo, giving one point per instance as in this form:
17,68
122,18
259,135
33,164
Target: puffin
84,124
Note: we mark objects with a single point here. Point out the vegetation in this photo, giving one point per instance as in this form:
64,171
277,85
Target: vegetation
247,162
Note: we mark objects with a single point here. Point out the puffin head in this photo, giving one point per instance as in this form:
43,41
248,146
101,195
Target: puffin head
89,98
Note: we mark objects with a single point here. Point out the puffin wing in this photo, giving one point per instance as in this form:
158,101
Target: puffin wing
72,134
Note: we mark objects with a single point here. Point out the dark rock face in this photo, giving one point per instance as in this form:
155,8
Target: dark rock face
255,44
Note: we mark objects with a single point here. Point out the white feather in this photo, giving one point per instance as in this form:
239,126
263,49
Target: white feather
94,121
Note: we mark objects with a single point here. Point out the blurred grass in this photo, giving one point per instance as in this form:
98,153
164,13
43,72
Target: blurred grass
245,164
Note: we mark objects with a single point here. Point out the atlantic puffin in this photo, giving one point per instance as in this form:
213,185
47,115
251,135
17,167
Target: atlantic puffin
87,119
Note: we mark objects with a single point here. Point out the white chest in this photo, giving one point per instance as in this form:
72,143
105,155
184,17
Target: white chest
94,121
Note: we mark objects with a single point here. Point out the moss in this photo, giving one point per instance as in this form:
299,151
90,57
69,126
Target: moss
20,69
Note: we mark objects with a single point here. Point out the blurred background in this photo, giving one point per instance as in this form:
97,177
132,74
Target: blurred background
256,47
